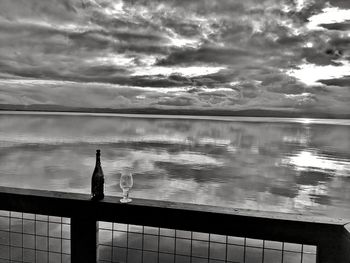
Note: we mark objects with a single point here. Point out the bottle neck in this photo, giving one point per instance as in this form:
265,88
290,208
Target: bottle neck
98,159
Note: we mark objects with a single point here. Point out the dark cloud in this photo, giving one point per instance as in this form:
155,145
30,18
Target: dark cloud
183,28
345,26
249,90
177,101
205,55
287,88
321,57
222,76
290,40
70,94
340,3
342,82
341,44
197,6
221,54
53,9
158,81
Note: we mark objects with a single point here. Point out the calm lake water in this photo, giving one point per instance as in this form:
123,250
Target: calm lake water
286,165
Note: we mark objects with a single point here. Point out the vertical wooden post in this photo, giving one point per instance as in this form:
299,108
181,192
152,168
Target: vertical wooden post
335,247
84,234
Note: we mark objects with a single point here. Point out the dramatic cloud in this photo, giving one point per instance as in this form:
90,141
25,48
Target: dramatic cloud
200,54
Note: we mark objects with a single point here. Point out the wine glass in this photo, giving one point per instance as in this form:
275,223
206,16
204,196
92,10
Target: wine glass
126,182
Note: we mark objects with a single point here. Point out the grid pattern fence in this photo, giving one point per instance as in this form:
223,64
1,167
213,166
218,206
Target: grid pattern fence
141,244
67,227
34,238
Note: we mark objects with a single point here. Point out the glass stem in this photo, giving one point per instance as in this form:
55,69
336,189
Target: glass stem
125,194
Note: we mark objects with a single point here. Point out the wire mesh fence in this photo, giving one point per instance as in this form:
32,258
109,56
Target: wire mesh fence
138,244
40,238
34,238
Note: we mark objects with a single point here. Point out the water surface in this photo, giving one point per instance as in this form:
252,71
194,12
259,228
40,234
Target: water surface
287,165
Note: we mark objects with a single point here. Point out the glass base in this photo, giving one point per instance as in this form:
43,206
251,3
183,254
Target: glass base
125,200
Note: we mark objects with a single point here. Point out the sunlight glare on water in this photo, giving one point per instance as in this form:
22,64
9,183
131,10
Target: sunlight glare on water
306,160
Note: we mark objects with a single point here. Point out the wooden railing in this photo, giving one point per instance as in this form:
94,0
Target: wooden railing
331,236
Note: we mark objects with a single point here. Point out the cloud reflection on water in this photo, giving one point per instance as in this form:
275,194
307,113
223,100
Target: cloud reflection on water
290,167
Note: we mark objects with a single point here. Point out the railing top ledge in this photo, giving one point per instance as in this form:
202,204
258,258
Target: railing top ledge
77,200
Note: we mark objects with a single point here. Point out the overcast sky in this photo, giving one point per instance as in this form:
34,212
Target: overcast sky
198,54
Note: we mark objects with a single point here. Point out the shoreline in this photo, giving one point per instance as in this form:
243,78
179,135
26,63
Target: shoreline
217,113
300,120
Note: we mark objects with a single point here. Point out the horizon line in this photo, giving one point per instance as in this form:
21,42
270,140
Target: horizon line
300,120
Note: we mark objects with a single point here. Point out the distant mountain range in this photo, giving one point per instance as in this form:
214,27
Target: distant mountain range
199,112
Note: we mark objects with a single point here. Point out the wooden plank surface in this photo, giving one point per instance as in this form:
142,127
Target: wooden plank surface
6,192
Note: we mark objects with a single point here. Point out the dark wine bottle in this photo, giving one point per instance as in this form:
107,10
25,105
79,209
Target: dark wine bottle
97,180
